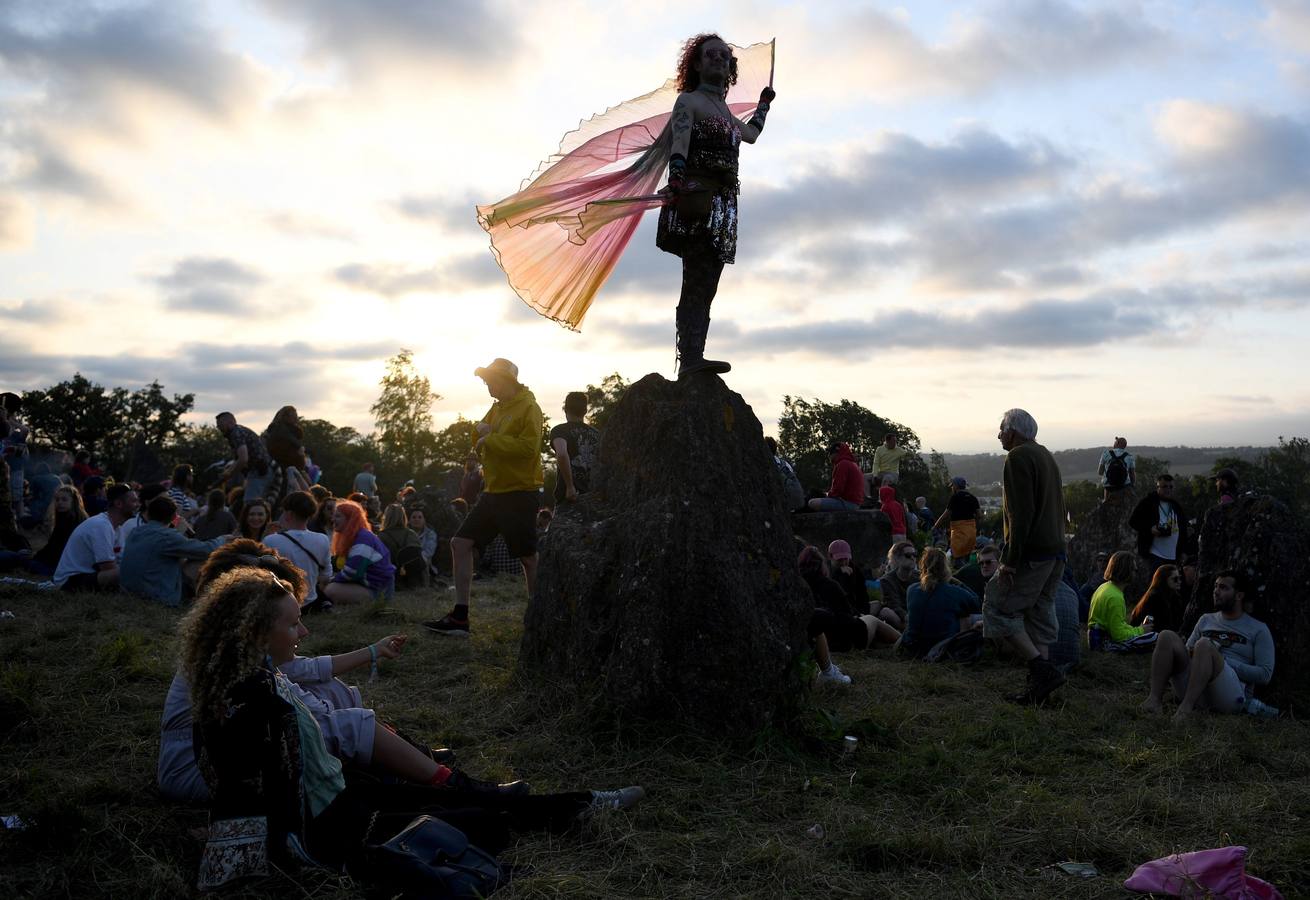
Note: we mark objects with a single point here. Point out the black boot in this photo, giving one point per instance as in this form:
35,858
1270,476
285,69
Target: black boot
693,327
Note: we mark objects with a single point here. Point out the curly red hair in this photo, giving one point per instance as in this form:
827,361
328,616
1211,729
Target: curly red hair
688,78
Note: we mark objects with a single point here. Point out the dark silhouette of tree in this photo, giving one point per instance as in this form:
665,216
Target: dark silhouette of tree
403,414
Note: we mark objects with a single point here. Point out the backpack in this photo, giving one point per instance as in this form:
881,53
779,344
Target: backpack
964,647
1116,470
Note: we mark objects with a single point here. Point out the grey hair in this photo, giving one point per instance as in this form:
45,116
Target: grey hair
1020,422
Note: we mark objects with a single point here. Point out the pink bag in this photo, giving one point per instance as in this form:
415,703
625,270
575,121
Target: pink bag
1221,873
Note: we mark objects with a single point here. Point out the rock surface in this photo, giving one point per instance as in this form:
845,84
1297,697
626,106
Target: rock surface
672,586
868,531
1105,529
1259,536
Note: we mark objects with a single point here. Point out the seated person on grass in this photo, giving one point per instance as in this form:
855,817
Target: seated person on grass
90,558
350,731
1109,610
937,609
833,625
1163,600
902,572
404,547
264,756
364,569
1230,653
849,576
157,557
975,575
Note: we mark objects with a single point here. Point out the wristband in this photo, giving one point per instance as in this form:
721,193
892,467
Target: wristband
677,169
372,663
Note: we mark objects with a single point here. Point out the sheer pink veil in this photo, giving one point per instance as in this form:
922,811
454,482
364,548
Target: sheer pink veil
559,237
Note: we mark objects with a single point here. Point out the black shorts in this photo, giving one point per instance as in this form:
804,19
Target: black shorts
512,514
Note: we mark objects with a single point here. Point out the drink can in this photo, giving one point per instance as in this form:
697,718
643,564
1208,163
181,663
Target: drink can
1150,620
849,743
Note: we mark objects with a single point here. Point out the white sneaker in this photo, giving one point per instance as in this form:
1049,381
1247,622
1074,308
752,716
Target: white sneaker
623,798
833,675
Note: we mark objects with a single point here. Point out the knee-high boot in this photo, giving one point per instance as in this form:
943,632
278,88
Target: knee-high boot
700,282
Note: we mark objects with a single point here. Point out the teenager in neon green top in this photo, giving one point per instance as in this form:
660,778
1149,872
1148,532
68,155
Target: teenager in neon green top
1109,609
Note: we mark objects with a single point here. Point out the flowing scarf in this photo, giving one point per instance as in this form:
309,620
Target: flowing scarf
559,237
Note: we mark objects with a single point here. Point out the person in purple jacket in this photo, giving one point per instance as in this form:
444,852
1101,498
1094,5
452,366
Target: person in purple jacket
363,563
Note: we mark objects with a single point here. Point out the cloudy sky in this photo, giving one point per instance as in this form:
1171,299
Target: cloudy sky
1097,211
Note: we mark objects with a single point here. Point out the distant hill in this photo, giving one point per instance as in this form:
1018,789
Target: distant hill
982,469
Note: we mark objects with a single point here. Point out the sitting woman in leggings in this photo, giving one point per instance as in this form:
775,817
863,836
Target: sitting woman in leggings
277,790
352,733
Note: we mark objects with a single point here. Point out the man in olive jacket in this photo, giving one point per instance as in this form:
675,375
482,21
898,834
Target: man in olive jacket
1019,600
509,443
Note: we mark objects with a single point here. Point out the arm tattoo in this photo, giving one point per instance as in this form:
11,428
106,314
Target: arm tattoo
682,122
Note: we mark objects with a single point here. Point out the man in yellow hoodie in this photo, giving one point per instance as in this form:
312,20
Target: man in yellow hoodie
509,444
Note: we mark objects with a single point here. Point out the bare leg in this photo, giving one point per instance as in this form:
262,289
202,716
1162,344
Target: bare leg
400,758
880,633
1023,646
530,572
461,558
340,592
1167,659
1207,663
821,654
891,618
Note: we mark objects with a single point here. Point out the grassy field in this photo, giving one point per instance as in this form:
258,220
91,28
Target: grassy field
952,792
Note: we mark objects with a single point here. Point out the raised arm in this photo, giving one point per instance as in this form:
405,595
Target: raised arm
750,131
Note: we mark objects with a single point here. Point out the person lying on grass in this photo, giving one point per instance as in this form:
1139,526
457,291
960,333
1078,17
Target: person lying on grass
352,733
274,782
1230,653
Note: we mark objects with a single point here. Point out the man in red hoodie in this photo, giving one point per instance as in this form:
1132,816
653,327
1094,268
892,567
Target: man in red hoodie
847,490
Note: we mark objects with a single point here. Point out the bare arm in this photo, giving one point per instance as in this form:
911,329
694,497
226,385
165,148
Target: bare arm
683,118
561,448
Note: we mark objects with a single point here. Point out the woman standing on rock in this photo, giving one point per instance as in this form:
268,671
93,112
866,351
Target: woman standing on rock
699,221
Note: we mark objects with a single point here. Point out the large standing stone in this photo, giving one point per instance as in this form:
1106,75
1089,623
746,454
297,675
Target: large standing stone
1105,529
1259,536
868,531
672,586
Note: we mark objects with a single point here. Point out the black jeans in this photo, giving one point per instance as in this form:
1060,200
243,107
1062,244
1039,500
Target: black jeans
372,813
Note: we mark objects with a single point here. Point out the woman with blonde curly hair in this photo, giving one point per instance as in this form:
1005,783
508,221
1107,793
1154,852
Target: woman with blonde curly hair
349,729
277,791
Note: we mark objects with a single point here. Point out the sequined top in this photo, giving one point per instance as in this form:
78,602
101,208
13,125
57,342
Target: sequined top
713,150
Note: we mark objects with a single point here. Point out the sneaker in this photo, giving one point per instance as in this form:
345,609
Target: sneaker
449,626
623,798
833,675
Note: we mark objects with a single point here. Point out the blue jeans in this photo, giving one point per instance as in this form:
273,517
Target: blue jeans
835,504
255,485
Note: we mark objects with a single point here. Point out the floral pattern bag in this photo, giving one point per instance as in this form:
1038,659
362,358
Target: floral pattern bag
236,848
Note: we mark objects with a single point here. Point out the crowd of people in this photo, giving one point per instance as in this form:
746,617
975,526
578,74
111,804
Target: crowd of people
276,545
943,601
290,762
